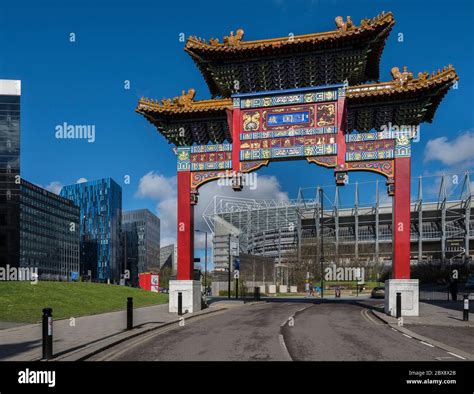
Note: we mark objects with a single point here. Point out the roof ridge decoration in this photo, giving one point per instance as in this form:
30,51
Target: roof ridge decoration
236,41
183,103
402,81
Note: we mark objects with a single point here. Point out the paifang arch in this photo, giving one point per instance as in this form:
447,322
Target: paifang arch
309,97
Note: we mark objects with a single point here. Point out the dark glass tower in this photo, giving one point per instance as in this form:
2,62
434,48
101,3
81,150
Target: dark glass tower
147,226
10,92
100,202
49,237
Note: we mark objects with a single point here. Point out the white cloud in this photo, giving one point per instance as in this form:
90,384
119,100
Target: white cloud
81,180
454,152
164,190
156,186
54,187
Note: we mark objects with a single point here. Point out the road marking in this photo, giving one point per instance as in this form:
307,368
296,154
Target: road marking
365,314
293,315
456,355
393,329
408,336
283,345
427,344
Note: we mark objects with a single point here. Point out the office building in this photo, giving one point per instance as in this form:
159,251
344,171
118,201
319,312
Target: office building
49,233
100,202
10,92
144,227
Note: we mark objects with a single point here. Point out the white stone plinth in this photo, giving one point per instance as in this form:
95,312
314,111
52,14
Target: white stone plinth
293,289
283,289
191,292
272,289
410,296
262,289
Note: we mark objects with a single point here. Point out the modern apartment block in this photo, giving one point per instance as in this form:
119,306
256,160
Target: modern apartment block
100,203
143,226
10,92
49,233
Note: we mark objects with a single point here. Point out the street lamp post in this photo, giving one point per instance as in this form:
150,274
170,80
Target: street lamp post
321,254
205,259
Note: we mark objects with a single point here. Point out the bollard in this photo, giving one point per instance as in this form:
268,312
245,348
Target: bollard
236,288
256,293
465,312
399,305
47,333
129,313
180,303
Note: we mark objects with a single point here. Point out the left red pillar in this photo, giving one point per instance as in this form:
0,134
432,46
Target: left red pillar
185,227
401,220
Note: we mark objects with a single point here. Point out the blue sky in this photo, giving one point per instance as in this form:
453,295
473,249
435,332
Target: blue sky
82,82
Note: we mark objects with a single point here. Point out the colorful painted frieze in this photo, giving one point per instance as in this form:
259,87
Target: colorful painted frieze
286,99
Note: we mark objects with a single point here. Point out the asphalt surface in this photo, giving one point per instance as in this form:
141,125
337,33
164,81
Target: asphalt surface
281,331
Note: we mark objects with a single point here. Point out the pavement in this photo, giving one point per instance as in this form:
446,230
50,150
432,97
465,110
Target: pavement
284,330
279,329
439,313
73,339
439,323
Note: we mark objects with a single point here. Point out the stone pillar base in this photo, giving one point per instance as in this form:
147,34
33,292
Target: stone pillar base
191,290
410,296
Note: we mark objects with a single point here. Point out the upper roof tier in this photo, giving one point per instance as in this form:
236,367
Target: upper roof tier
349,53
405,100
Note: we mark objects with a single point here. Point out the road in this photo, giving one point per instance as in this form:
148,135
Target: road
281,331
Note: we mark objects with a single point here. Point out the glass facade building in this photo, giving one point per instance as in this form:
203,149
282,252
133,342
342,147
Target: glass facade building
100,203
49,233
10,92
147,228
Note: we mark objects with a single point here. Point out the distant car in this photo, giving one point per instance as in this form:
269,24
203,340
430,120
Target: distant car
378,292
163,290
469,282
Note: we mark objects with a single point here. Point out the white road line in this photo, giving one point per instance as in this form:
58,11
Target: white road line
283,345
427,344
408,336
456,355
393,329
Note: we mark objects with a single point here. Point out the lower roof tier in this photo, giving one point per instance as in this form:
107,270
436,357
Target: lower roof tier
403,101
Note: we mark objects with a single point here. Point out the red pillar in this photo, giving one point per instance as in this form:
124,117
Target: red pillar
185,227
233,119
401,220
341,125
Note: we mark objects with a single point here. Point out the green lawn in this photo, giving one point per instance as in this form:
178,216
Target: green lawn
23,302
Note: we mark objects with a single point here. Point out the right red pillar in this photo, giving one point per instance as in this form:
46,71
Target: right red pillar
401,219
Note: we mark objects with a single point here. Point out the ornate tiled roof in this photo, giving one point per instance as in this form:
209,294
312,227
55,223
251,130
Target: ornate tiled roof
348,52
404,100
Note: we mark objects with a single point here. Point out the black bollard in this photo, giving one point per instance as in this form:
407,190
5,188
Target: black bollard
256,293
399,305
47,333
465,312
180,303
129,313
